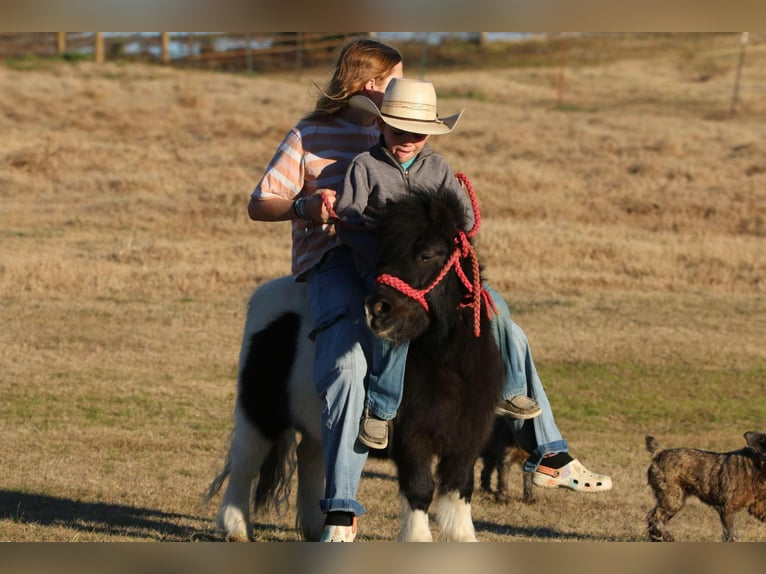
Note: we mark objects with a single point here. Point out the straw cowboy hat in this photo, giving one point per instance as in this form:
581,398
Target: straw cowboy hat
410,106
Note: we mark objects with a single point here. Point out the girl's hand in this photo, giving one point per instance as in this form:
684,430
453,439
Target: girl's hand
316,209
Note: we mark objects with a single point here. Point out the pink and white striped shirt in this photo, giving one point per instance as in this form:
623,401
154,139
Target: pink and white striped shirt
313,156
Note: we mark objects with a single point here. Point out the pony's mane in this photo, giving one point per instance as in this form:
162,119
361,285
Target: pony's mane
403,222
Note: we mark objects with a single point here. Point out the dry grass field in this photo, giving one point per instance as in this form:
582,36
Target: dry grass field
625,225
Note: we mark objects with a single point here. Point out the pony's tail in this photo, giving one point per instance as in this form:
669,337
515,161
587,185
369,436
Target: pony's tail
275,477
218,481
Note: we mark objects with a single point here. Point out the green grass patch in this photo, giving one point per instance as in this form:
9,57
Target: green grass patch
632,396
31,62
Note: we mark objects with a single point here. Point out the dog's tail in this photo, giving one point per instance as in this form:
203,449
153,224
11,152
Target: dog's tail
652,445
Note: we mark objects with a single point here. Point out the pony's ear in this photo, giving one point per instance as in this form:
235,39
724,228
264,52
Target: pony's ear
442,216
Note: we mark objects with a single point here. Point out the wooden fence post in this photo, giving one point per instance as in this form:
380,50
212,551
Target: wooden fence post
60,43
99,47
299,54
165,36
562,65
743,43
249,52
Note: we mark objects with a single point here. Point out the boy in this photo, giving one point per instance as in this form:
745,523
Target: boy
401,162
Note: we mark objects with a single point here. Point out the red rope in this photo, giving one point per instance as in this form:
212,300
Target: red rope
463,179
335,219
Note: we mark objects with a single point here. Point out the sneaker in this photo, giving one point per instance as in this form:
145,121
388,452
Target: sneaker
373,432
572,475
519,407
335,533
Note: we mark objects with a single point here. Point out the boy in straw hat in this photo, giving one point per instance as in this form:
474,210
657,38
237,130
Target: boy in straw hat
401,162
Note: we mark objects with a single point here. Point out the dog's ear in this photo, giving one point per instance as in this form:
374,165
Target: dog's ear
757,441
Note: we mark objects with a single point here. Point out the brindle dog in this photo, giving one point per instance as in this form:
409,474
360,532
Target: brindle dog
729,482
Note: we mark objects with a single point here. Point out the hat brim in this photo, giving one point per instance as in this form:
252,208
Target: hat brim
439,126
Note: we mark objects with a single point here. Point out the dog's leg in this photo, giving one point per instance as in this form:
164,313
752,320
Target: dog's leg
501,494
656,525
519,456
670,499
488,466
669,502
727,521
528,496
758,510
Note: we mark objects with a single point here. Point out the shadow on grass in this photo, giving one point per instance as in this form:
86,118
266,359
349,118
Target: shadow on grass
105,520
538,533
97,517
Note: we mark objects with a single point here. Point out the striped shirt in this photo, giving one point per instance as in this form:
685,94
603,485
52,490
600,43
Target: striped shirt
313,156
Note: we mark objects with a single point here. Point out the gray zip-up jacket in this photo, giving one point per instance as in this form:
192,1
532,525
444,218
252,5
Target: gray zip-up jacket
375,176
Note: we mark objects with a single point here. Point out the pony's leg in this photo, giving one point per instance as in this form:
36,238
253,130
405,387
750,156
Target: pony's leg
247,452
453,515
416,489
310,488
453,503
414,523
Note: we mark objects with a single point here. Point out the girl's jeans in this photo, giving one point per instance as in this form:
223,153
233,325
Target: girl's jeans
336,295
538,436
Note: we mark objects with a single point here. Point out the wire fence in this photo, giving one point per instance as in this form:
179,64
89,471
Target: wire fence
285,51
222,51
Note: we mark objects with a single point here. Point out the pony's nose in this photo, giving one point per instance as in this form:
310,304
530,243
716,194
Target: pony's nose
381,309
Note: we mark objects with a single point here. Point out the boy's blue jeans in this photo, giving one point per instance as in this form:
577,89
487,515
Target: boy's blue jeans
538,436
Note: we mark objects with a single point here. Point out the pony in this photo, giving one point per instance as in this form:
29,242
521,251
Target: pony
429,295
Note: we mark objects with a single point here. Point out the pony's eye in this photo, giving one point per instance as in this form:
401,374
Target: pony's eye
425,257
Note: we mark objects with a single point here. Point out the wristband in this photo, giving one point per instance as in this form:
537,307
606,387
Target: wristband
299,207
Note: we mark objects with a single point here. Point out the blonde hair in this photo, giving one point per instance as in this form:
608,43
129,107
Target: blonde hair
360,60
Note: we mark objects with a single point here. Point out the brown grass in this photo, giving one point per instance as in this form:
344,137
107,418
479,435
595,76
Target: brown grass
626,228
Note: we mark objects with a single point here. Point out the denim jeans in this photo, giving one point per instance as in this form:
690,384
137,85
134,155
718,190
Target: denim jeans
336,295
538,436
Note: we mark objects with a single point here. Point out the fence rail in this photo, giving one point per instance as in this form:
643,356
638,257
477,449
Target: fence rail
245,51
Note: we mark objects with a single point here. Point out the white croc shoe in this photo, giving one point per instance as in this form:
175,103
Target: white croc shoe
572,475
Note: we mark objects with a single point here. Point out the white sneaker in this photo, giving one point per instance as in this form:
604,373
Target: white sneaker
335,533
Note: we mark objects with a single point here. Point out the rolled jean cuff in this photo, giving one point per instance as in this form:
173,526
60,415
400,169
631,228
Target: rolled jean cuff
536,456
341,505
376,411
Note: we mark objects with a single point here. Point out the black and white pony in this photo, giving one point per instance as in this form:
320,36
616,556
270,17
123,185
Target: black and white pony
429,293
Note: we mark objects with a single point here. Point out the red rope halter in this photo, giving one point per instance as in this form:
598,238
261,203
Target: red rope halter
463,249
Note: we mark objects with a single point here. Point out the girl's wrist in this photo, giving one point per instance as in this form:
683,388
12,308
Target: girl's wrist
299,208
